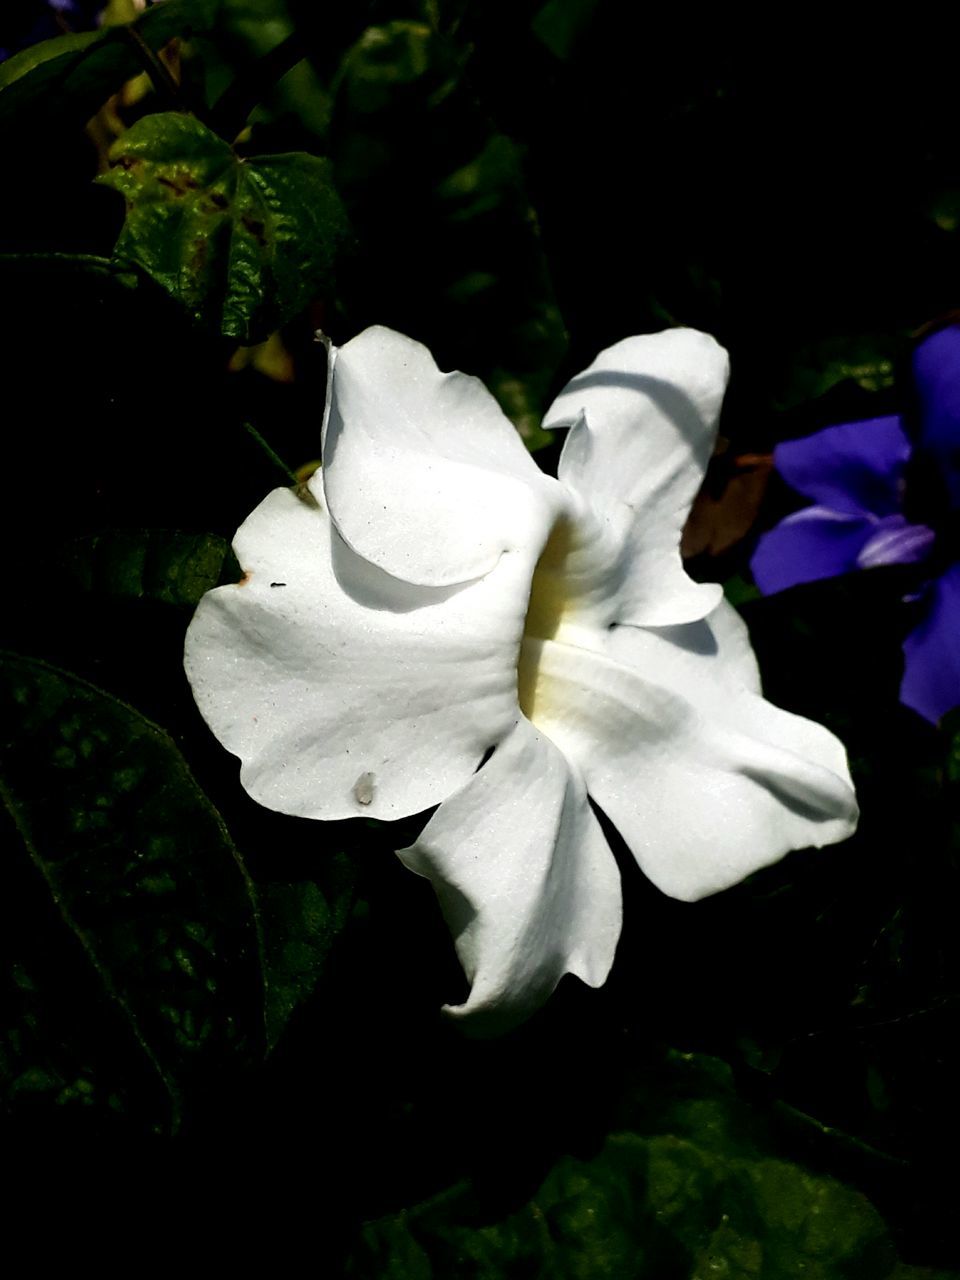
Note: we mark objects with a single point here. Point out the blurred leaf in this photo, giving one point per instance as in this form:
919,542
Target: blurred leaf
726,507
243,244
115,11
300,924
142,870
489,179
944,209
520,401
561,23
239,54
739,591
48,58
271,358
868,360
259,25
397,53
693,1188
147,564
75,74
951,727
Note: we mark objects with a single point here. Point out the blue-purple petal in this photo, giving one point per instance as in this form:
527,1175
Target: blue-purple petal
895,540
936,372
931,677
809,545
856,467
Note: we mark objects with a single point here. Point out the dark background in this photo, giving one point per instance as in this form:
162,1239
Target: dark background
524,184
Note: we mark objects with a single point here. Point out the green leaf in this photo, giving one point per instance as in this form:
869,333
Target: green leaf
944,209
44,63
521,399
739,591
300,924
692,1186
397,53
75,74
951,728
65,1054
147,564
243,244
561,24
142,870
868,360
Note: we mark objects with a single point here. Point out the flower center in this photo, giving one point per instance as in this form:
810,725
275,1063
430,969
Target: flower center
570,598
550,595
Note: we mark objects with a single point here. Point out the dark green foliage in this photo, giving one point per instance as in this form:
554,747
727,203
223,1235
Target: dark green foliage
300,924
204,969
242,244
695,1187
67,79
141,869
867,360
146,564
767,1086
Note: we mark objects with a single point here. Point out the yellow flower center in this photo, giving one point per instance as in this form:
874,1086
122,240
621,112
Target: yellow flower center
571,578
549,602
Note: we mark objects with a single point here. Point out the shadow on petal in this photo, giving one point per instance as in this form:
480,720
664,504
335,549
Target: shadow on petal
670,399
374,588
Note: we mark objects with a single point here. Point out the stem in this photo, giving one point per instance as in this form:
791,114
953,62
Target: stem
77,261
271,453
94,260
838,1137
158,72
231,109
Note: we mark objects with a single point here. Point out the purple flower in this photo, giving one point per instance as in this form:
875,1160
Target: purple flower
885,492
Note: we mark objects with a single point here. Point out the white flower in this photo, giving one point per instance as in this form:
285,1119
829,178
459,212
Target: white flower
442,597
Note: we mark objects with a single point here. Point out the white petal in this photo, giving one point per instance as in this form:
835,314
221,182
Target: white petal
712,666
343,691
706,661
642,424
424,475
525,877
734,650
705,786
